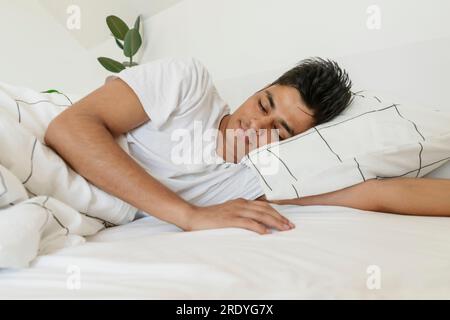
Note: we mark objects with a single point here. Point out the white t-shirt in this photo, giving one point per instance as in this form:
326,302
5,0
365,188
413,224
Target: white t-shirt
178,93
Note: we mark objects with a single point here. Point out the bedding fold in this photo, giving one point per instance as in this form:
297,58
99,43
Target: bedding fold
38,188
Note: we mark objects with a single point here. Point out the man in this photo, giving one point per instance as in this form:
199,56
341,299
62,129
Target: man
150,103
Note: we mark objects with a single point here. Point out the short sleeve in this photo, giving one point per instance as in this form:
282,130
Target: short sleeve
167,86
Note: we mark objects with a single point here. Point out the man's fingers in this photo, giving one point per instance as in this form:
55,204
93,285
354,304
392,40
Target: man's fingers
266,219
259,215
251,225
267,208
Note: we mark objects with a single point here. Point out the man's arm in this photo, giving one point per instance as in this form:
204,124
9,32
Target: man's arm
409,196
83,135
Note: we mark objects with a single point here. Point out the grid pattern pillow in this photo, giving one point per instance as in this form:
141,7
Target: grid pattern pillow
375,138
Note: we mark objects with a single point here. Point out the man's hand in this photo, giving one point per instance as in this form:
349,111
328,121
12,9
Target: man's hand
256,216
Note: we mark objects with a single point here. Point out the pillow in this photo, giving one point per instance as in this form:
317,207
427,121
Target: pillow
374,138
443,172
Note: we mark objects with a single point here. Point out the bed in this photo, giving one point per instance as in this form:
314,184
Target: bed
333,253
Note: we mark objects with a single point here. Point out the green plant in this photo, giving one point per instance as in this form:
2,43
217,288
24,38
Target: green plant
127,39
57,92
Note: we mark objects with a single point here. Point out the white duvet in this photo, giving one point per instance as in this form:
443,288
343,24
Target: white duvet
44,204
333,253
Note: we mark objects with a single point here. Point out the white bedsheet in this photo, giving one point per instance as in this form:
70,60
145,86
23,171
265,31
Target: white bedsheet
326,256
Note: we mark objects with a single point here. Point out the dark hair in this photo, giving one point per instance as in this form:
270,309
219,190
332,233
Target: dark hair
323,85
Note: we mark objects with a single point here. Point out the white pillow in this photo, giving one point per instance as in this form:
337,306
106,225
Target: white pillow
374,138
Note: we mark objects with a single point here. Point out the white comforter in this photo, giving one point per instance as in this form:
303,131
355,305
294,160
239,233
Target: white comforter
44,204
333,252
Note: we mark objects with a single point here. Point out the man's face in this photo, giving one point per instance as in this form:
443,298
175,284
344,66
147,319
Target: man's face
274,113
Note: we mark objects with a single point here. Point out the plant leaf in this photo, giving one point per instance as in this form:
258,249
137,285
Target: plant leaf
51,91
57,92
111,65
137,24
133,42
119,44
117,26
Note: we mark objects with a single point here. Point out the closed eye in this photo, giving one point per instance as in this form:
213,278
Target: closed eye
261,107
264,111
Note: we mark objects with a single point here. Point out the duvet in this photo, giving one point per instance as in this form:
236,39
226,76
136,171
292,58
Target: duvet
44,204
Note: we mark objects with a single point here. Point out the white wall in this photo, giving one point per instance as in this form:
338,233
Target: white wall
37,52
236,38
245,44
93,14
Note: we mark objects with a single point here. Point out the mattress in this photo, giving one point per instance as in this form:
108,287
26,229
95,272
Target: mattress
333,253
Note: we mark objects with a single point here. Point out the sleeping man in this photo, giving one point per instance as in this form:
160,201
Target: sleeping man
158,104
